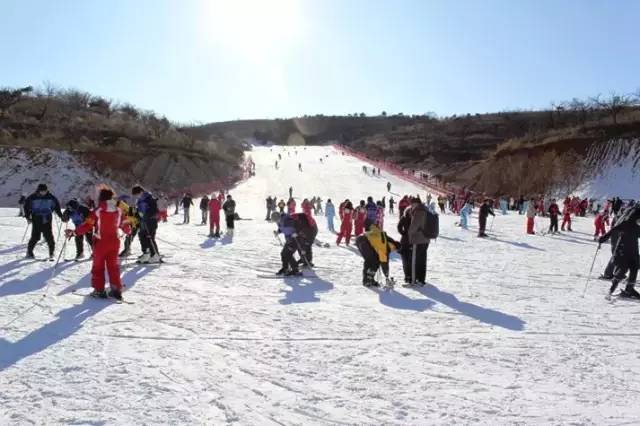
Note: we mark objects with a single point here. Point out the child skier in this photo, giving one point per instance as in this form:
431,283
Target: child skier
485,211
554,211
346,225
204,209
105,221
465,211
531,214
360,215
375,247
78,213
214,217
600,222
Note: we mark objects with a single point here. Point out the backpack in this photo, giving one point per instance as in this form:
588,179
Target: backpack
431,227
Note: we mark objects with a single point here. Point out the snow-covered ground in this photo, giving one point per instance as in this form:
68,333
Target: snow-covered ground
501,334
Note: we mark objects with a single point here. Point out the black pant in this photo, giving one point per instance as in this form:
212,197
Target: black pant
419,263
626,263
406,253
41,228
128,239
286,255
553,227
79,242
147,236
482,221
230,219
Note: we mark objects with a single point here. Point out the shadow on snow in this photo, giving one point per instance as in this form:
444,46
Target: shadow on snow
303,290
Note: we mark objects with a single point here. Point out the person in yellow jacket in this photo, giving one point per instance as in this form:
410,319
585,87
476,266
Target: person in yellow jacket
375,246
131,217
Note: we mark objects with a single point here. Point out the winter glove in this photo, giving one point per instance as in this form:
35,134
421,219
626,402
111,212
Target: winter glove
294,235
69,233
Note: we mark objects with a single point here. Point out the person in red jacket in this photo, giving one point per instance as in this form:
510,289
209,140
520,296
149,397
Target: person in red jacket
601,220
346,225
360,215
104,222
214,216
291,206
403,205
307,207
566,216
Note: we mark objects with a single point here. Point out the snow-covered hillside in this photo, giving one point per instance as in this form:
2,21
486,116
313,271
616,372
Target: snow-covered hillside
499,335
616,167
22,171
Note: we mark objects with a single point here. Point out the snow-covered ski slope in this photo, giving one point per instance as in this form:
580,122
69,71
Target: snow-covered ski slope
501,334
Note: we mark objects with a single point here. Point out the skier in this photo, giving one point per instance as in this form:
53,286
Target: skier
214,217
465,211
163,206
503,205
291,192
375,247
372,209
78,213
566,217
147,209
388,186
229,208
615,235
204,209
419,243
346,209
187,202
330,213
360,215
281,206
21,205
405,248
288,226
291,206
177,203
270,203
626,257
531,215
308,230
105,221
38,210
277,164
483,214
600,221
441,204
134,223
403,205
319,205
300,166
391,203
553,211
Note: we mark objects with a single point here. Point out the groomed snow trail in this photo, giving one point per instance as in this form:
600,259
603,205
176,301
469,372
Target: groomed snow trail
501,334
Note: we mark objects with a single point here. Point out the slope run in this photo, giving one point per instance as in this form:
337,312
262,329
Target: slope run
500,334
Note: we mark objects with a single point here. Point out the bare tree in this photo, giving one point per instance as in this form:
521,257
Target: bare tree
10,97
614,104
580,108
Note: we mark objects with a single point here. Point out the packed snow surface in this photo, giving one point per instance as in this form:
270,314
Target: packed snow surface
500,335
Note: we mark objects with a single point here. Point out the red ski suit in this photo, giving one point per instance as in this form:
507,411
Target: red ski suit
345,226
566,217
360,216
105,222
306,209
214,215
601,220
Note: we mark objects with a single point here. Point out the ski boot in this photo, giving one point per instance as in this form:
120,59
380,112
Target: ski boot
116,294
630,292
293,273
282,271
124,253
155,259
51,257
102,294
79,256
30,256
144,258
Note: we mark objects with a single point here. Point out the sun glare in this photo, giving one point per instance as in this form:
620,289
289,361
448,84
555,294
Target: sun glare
256,27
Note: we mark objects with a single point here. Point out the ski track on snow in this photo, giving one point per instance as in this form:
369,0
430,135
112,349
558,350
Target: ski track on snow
500,334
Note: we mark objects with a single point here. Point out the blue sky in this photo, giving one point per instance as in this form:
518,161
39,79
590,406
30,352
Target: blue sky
208,60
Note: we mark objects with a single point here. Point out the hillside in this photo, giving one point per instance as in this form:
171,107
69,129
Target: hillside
118,143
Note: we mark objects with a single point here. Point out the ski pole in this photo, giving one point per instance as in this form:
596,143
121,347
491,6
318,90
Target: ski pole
304,257
275,233
59,229
590,271
64,245
25,232
491,226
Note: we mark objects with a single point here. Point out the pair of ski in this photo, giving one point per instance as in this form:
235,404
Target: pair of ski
612,298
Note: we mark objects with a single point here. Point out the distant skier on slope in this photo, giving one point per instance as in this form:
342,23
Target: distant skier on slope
147,209
346,214
104,221
187,202
391,204
388,186
465,211
601,221
531,216
38,210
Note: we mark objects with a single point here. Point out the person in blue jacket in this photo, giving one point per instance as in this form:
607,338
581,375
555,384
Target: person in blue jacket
330,213
372,209
503,205
147,208
464,215
38,210
78,213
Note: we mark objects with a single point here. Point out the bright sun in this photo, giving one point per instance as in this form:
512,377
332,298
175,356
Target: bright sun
255,27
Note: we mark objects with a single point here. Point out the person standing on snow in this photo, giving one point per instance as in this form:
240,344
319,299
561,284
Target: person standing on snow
566,217
391,203
600,223
214,217
270,203
346,225
291,206
330,213
403,205
319,205
372,209
531,215
554,211
163,206
360,215
229,208
186,202
132,219
503,205
419,243
406,249
626,257
38,210
78,213
281,206
104,222
148,213
485,211
291,192
289,227
465,211
204,209
388,186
